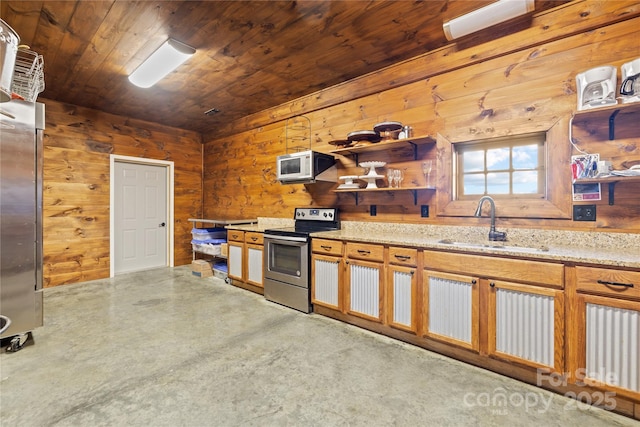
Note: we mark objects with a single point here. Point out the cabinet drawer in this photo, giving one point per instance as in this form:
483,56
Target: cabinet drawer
235,236
365,251
329,247
608,281
254,238
518,270
403,256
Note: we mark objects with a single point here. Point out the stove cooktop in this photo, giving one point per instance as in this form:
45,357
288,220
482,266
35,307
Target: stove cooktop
310,220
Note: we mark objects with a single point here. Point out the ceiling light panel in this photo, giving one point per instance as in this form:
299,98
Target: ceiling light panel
485,17
164,60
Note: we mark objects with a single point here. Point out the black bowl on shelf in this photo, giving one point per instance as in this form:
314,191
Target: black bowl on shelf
388,130
364,135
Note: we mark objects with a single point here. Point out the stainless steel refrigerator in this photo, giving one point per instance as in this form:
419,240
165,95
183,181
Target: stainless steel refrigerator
21,129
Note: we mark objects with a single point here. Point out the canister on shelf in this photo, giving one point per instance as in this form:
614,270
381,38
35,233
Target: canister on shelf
407,132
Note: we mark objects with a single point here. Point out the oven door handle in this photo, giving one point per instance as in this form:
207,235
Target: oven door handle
285,238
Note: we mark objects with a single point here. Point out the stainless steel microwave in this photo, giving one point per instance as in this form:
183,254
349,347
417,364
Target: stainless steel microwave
306,167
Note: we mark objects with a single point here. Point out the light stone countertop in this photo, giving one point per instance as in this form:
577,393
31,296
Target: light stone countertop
596,248
263,224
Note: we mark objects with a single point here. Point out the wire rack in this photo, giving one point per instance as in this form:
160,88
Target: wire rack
28,75
298,134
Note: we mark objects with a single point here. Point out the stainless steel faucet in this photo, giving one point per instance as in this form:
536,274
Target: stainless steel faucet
494,236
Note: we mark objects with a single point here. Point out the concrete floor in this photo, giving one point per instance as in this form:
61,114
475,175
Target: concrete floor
163,347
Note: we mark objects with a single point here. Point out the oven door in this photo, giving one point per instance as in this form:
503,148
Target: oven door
287,259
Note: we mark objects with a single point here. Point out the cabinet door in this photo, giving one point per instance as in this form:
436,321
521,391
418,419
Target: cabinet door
235,261
526,324
609,335
364,289
254,264
402,289
451,308
326,280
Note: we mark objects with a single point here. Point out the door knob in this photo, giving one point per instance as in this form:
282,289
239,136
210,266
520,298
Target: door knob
162,224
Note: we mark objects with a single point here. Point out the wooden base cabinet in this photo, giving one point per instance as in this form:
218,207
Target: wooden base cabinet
235,259
519,303
526,324
402,289
402,298
365,281
245,258
608,330
254,245
327,271
451,303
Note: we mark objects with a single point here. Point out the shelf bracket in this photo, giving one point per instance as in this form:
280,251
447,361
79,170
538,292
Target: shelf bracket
415,149
612,186
415,197
612,126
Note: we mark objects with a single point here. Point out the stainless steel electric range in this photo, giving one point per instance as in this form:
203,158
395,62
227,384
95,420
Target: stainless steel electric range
287,256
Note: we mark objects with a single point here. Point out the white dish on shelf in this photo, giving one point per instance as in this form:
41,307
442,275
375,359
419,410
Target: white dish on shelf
372,167
372,164
371,180
348,179
348,186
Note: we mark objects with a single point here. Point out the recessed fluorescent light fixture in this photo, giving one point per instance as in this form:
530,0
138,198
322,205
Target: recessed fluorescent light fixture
161,62
485,17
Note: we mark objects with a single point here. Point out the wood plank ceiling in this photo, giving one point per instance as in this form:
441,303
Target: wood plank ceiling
251,55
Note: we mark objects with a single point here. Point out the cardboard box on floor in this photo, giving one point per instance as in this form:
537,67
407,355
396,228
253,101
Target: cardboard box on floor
201,268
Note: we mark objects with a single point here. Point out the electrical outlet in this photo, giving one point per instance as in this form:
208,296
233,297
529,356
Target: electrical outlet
584,213
424,211
373,211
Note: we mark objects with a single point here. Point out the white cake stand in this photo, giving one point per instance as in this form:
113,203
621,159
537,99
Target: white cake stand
372,167
348,184
371,180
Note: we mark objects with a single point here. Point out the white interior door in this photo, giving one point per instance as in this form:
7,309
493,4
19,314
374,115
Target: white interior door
139,217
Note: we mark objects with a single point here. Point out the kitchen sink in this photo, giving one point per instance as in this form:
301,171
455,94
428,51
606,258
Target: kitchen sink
494,245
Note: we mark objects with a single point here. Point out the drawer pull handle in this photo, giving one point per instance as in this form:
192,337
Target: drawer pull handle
604,282
254,238
403,257
326,248
474,281
492,284
364,252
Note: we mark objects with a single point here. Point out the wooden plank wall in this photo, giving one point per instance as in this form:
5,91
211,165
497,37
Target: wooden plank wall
518,91
77,145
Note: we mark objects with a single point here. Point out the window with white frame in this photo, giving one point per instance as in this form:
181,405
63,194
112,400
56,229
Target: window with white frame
507,167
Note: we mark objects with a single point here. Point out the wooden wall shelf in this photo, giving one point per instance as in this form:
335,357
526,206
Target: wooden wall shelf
610,114
413,190
611,180
385,145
